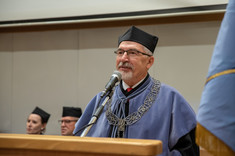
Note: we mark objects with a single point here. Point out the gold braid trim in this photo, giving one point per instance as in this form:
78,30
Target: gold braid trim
211,143
229,71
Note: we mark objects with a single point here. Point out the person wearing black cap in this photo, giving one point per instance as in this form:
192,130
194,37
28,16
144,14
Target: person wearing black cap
37,121
70,116
141,106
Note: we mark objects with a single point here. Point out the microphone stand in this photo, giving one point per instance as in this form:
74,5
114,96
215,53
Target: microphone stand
96,115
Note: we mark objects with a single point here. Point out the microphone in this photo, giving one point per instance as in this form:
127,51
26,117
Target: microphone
116,77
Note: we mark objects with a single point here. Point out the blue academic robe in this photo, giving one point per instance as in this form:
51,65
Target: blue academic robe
169,118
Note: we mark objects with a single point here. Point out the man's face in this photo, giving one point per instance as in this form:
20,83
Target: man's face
68,125
34,124
133,69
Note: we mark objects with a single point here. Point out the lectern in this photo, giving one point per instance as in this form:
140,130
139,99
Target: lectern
52,145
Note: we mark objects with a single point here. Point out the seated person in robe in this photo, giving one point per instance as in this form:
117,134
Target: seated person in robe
37,121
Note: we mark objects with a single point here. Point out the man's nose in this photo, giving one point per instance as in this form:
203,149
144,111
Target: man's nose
62,123
125,56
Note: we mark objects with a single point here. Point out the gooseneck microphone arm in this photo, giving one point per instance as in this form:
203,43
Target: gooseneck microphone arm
108,92
96,115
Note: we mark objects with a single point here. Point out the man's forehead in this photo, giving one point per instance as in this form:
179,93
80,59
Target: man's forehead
69,118
130,44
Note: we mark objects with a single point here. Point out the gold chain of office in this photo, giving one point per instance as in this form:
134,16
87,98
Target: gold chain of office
134,117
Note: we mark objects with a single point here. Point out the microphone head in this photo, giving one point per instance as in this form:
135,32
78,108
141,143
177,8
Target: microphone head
117,74
116,77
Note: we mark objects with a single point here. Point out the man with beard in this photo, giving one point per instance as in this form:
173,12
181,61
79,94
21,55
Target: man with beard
142,107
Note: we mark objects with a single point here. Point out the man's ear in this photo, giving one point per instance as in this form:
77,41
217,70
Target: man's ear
150,62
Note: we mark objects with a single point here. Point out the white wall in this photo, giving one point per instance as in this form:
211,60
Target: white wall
52,69
34,9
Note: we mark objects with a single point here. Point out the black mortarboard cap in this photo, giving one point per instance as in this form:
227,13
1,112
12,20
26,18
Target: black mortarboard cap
72,111
44,115
136,35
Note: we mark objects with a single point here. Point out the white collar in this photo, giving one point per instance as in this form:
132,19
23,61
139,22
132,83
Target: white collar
125,86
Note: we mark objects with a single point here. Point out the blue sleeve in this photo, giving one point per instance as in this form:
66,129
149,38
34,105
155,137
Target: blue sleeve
86,116
183,118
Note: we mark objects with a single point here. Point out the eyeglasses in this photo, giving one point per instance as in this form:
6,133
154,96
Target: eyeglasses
130,52
66,121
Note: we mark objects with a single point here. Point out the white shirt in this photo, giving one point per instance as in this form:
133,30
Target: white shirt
125,86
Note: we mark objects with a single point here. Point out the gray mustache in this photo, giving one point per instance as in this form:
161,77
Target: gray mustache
125,64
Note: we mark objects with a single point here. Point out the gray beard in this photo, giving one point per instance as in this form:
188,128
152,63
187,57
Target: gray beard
126,75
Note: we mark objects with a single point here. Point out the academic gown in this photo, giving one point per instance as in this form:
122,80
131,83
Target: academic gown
168,119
